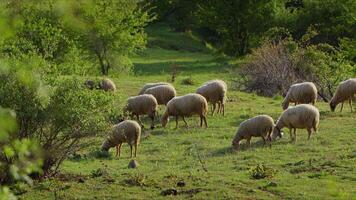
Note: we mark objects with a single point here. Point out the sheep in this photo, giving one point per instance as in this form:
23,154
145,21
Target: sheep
107,85
345,91
300,93
259,126
185,106
215,92
163,93
127,131
302,116
90,84
140,105
149,85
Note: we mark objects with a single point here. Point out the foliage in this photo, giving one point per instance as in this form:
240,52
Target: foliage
112,30
70,113
261,172
274,66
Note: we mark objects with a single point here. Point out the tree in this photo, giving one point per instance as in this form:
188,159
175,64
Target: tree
112,29
236,21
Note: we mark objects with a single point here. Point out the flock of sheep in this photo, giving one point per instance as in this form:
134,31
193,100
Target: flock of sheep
301,116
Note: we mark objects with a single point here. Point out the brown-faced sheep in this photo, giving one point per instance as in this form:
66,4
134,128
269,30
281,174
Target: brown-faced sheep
141,105
303,116
149,85
215,93
301,93
259,126
185,106
162,93
344,91
127,131
107,85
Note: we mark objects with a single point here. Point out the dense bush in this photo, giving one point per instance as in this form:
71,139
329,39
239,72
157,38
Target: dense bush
274,66
59,122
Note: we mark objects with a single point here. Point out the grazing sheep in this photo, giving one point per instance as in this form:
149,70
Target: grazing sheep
185,106
107,85
215,92
162,93
300,116
127,131
140,105
345,91
259,126
300,93
90,84
149,85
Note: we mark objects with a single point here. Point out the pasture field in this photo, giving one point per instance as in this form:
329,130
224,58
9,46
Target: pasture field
201,159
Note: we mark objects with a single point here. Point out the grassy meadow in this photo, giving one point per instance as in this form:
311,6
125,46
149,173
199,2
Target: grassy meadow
201,159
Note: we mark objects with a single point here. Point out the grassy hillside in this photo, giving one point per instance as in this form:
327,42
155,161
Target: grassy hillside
322,168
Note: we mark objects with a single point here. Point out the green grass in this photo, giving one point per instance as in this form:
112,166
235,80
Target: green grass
322,168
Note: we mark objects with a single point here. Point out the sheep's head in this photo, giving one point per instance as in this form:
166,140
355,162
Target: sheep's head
332,106
106,145
277,133
90,84
285,105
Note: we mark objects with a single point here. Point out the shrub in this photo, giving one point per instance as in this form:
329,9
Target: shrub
261,172
274,66
188,81
68,114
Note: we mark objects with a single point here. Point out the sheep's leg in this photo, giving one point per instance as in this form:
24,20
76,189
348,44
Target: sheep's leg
186,124
131,150
176,122
248,143
118,148
291,134
152,121
135,149
309,133
206,123
213,109
342,105
201,121
223,109
295,136
350,102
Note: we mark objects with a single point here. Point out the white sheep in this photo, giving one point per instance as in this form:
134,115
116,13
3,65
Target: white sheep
259,126
162,93
127,131
185,106
141,105
149,85
215,93
301,93
344,91
107,85
302,116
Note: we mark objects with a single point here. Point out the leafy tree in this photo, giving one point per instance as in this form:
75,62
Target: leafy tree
112,30
236,21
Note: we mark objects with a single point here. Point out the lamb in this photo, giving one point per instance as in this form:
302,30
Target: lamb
107,85
140,105
300,93
163,93
303,116
345,91
185,106
149,85
259,126
127,131
215,92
